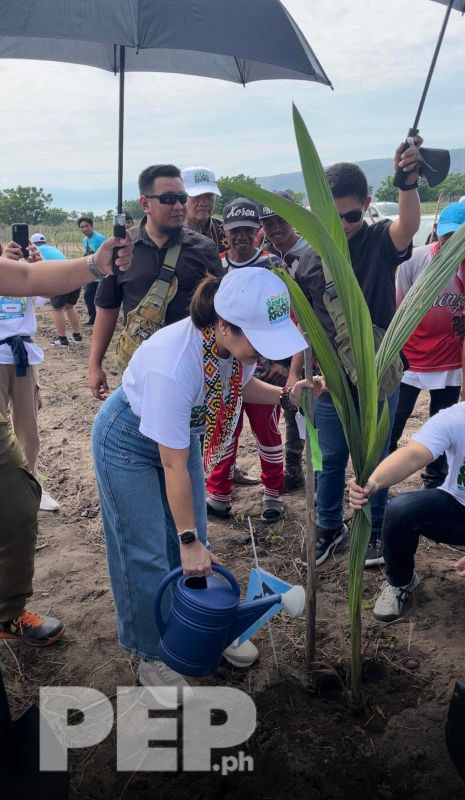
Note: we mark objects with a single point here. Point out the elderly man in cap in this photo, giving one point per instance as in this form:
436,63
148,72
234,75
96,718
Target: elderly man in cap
434,351
63,305
202,190
282,240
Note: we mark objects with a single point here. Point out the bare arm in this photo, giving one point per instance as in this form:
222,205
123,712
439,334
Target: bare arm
104,327
195,557
48,278
296,368
403,229
393,469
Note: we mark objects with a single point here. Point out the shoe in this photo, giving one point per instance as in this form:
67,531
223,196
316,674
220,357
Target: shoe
89,323
241,655
242,478
217,508
326,541
294,477
391,600
47,502
272,509
32,629
61,341
161,680
374,554
76,338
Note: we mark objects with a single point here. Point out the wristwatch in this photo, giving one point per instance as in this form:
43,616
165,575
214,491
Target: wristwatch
93,267
188,536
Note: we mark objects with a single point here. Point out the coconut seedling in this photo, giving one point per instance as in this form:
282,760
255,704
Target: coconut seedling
365,420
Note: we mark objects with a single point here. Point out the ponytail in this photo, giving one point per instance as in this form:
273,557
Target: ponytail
201,309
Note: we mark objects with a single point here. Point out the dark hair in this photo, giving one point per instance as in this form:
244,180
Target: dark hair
85,219
347,180
148,175
128,216
202,310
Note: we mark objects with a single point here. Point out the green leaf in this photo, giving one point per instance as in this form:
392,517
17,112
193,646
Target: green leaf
315,450
318,191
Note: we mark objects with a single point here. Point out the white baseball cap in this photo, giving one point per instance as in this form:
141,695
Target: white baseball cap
38,238
199,180
257,301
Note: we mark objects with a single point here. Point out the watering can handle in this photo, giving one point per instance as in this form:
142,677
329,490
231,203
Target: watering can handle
175,574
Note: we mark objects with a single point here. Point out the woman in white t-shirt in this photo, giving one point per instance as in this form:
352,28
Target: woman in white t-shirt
187,376
438,514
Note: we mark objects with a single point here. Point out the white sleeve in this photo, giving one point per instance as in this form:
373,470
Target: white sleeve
403,281
440,432
166,411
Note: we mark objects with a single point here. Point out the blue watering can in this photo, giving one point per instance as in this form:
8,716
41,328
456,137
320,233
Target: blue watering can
205,617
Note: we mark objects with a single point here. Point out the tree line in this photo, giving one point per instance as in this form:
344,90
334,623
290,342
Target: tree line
32,205
451,189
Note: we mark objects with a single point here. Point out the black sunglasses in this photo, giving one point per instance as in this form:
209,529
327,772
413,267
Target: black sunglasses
169,198
353,216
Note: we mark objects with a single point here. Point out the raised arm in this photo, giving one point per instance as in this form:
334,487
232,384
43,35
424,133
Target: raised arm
404,228
48,278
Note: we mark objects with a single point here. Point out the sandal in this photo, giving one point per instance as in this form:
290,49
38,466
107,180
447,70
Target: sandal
217,509
273,509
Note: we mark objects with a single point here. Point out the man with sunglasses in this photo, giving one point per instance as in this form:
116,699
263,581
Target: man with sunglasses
163,200
376,251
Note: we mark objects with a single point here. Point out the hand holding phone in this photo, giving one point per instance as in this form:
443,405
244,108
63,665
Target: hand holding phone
20,235
119,230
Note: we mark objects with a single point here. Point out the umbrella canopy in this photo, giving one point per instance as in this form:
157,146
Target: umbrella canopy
459,5
240,41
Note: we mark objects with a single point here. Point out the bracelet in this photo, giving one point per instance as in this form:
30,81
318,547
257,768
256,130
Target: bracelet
285,401
409,186
92,266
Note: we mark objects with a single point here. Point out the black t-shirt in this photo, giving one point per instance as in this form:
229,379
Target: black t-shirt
374,260
198,257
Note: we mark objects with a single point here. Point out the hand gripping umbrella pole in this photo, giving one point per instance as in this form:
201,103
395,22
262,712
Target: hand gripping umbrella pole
435,163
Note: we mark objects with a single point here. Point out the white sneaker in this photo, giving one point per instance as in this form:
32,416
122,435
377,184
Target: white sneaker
47,502
391,600
162,681
241,655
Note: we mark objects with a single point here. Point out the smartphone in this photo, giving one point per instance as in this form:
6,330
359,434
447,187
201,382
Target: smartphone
119,230
20,235
119,227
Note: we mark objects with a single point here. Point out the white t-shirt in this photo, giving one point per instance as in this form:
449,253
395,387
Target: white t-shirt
165,385
17,318
445,432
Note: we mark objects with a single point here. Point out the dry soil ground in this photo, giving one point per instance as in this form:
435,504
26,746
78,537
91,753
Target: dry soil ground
307,743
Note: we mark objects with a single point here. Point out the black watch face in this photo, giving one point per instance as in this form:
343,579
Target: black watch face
188,537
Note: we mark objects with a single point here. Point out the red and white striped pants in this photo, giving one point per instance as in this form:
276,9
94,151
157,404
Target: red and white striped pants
264,423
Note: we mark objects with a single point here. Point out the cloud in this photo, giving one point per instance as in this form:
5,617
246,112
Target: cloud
59,121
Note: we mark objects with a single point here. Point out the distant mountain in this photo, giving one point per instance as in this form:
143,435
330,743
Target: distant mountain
100,200
376,170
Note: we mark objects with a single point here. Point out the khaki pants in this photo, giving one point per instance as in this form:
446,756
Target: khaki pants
22,396
19,503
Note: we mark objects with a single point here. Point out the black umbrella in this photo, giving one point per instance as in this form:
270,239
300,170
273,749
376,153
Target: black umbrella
435,164
235,40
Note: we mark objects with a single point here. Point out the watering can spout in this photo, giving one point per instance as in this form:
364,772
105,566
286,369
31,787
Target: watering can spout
248,613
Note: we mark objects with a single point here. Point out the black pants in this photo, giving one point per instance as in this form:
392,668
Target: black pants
89,298
435,472
434,514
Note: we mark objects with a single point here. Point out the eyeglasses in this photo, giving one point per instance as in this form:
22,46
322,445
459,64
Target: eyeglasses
169,198
353,216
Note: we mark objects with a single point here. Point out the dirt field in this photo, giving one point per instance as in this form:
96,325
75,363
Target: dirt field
307,743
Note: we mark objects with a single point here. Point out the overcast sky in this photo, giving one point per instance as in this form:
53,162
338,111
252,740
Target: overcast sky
58,122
